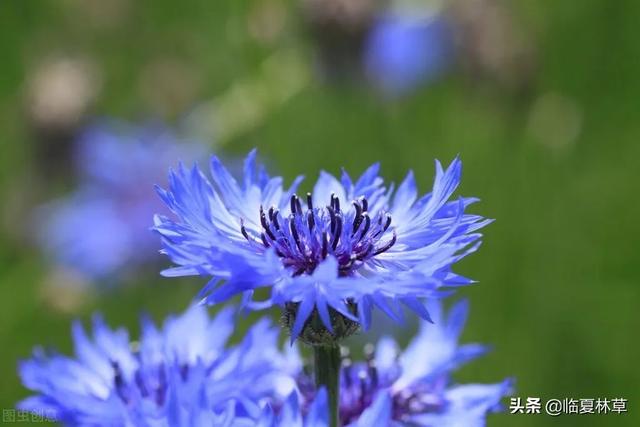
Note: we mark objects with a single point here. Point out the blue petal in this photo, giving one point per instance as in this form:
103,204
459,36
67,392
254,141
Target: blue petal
378,414
364,312
419,308
457,317
406,194
321,305
318,415
304,310
250,169
327,185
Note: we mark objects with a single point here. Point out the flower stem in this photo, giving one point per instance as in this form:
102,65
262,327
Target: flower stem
327,369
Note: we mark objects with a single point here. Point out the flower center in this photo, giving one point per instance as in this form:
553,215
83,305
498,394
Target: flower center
306,237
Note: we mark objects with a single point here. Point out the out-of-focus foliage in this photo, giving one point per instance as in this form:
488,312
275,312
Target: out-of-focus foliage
541,103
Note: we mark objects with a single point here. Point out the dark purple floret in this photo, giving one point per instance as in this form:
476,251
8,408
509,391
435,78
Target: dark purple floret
153,383
308,235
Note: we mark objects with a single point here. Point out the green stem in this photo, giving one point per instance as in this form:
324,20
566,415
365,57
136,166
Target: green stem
327,369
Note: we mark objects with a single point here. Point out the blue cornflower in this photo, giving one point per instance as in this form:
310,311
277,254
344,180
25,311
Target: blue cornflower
413,386
329,258
407,48
102,227
164,379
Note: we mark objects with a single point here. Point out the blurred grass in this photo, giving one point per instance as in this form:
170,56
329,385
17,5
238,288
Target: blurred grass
558,272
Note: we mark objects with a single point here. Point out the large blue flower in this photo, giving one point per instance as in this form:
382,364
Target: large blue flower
172,376
414,387
336,253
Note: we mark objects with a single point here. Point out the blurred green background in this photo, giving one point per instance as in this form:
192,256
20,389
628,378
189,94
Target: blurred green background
553,158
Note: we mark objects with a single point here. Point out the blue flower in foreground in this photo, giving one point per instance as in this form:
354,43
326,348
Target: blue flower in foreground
404,50
333,256
180,375
414,387
103,226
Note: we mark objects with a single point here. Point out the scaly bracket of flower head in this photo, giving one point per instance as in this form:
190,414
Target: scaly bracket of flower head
314,332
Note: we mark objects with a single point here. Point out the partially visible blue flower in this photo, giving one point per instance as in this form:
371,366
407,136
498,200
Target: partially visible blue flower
395,388
102,228
172,376
405,49
414,386
332,255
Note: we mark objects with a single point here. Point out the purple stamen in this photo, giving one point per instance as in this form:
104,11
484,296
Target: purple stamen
302,250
